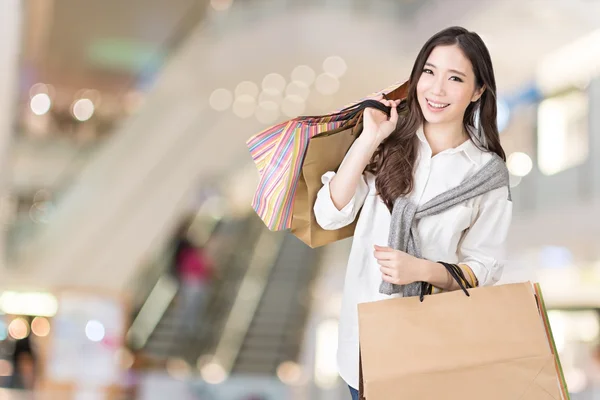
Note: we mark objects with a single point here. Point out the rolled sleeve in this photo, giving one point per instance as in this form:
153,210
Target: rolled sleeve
327,214
483,247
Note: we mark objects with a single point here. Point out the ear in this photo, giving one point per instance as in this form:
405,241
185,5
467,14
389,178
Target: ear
478,93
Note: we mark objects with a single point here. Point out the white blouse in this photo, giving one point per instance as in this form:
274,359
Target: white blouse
472,233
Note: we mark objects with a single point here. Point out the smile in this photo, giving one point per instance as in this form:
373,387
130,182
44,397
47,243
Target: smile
437,105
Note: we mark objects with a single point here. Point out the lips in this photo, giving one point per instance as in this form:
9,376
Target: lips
436,105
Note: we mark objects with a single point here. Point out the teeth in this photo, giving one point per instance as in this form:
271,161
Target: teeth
437,105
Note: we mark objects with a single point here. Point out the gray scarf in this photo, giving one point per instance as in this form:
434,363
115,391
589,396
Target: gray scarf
405,214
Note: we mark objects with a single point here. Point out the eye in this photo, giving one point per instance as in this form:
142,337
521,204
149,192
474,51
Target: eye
428,71
456,79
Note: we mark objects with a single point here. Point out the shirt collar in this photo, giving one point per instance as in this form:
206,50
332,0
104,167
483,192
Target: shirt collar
421,135
468,148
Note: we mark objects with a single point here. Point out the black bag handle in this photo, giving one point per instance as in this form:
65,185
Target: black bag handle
348,113
352,111
456,273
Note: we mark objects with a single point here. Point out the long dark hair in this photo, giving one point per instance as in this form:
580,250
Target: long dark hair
394,161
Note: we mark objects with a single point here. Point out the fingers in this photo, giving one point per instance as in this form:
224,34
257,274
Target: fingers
394,114
382,248
390,275
390,279
393,105
387,267
383,255
380,115
384,251
389,103
385,270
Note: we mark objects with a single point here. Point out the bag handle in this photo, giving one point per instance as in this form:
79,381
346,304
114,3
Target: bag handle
354,110
456,273
350,112
400,93
354,115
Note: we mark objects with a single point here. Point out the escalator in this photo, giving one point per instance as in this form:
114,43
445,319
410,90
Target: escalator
276,332
258,323
168,338
221,304
254,316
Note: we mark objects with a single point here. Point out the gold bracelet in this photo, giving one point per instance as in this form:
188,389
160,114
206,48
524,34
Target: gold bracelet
474,282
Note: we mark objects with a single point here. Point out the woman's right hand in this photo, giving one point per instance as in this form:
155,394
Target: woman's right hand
377,124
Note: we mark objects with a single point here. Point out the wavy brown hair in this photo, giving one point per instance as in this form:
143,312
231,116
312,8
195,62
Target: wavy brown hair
394,161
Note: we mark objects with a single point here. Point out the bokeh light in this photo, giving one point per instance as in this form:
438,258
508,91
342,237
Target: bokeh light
18,328
40,326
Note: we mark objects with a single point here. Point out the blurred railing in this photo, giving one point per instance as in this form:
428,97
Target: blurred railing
246,299
276,329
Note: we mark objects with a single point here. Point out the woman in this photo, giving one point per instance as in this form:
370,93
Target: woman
433,148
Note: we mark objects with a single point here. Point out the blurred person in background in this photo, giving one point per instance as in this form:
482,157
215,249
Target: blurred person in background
194,270
24,365
400,164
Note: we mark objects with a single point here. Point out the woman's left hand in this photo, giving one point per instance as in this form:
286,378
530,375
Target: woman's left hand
398,267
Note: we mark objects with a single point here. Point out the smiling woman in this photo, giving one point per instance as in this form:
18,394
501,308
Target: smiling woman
411,176
445,90
452,77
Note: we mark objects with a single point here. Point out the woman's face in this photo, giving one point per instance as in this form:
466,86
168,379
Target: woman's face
446,86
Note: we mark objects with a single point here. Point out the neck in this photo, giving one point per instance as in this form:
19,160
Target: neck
444,136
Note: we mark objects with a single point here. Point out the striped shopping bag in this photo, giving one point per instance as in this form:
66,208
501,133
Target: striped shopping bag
278,153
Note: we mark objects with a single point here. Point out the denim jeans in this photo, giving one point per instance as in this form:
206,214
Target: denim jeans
353,392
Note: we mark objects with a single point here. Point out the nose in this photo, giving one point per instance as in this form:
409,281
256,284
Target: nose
438,87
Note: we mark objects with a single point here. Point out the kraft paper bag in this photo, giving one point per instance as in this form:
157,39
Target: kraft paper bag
325,152
493,345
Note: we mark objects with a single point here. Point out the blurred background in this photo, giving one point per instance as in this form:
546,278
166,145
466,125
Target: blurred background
132,266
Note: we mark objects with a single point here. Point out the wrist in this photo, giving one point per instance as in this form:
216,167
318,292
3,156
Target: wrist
426,270
369,139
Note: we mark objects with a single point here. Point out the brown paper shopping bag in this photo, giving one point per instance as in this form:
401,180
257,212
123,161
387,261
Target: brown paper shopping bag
491,345
325,152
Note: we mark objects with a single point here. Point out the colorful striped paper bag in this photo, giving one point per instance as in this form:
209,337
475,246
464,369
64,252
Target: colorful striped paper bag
278,153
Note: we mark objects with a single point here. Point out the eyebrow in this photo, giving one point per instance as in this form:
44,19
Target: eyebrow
451,70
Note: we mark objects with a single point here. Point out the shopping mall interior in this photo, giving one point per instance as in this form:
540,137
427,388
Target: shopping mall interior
132,263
